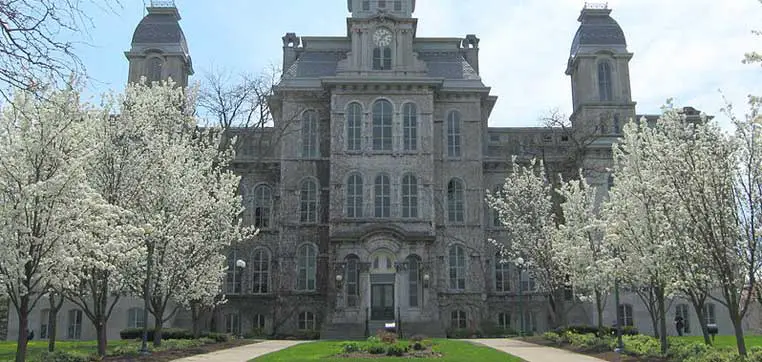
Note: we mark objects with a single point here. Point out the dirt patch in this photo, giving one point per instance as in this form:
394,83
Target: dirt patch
170,355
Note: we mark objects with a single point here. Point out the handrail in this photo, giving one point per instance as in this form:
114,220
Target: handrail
367,322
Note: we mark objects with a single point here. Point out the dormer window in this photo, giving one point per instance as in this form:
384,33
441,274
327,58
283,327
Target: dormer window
381,4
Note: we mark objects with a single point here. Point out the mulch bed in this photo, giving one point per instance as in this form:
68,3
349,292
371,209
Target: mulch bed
610,356
164,356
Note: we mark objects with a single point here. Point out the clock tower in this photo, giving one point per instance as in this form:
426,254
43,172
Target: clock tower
382,33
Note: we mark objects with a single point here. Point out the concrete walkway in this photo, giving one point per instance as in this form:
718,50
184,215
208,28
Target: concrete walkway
533,352
241,354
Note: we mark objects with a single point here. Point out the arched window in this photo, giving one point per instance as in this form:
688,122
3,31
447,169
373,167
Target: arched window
455,201
234,278
306,267
354,127
310,147
409,196
382,194
504,321
604,81
154,67
263,200
414,281
382,58
502,274
409,127
457,267
260,271
134,318
625,315
233,323
306,321
458,319
453,134
382,125
352,281
308,201
354,196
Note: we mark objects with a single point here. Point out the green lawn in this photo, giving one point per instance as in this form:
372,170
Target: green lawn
37,347
726,341
453,351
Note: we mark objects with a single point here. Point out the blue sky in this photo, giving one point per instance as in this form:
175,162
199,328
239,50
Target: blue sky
685,49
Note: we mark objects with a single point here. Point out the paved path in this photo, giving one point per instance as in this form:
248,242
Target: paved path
533,352
241,354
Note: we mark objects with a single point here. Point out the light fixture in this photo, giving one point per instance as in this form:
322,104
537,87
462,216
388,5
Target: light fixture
426,278
339,279
240,263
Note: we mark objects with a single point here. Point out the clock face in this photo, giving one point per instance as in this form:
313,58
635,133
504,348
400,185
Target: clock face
382,37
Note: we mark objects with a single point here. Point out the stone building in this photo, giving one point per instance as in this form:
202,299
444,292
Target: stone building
369,188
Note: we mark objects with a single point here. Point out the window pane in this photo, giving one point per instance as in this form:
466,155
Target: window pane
354,127
453,134
382,125
382,190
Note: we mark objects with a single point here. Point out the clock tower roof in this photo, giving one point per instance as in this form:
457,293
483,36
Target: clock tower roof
373,8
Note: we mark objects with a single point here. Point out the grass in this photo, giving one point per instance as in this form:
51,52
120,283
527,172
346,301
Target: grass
38,347
725,341
453,351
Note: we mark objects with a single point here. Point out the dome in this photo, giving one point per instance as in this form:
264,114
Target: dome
598,30
160,26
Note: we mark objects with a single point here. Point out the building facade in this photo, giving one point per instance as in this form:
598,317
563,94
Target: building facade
369,188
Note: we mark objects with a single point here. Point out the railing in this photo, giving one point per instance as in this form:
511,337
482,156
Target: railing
162,3
594,5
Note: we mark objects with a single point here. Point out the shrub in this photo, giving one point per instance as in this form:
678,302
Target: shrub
386,337
217,337
350,347
417,338
463,333
553,337
397,349
376,349
683,351
166,333
63,356
587,342
418,346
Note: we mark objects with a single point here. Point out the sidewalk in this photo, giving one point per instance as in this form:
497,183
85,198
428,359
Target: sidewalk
532,352
241,354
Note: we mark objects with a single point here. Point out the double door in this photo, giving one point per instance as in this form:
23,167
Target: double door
382,302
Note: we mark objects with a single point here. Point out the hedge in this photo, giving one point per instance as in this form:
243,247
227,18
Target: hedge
171,333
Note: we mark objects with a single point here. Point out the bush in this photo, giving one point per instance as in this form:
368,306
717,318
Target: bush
417,338
217,337
166,333
351,347
463,333
587,342
397,349
63,356
553,337
641,345
418,346
386,337
376,349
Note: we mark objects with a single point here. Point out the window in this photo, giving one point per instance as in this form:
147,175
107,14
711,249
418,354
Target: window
502,275
504,321
306,268
617,125
397,5
74,327
414,281
457,267
382,125
610,182
260,271
496,222
354,196
352,281
258,321
453,134
527,281
382,194
306,321
44,326
382,58
625,315
135,318
308,201
310,134
529,322
366,5
455,201
709,315
604,81
354,127
458,319
409,127
154,68
262,206
409,196
233,323
234,279
682,312
381,4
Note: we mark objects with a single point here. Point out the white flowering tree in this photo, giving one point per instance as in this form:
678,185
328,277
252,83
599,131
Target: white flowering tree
44,146
525,208
189,205
586,258
637,226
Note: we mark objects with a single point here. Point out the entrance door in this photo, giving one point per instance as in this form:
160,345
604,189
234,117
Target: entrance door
382,301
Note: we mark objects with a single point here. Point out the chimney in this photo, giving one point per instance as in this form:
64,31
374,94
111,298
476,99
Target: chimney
290,44
470,46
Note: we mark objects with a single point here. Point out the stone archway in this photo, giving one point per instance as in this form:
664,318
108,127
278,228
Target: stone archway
382,277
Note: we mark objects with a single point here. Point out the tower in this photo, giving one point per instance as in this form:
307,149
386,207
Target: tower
159,50
600,75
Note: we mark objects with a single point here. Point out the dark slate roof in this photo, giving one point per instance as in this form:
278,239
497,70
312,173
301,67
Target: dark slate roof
449,65
315,64
159,28
597,28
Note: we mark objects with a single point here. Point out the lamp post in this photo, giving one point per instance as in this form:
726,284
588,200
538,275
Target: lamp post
619,343
520,266
240,265
339,280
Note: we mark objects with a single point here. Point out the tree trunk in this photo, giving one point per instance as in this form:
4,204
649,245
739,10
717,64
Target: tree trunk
53,321
100,332
699,308
662,311
599,310
738,329
23,312
195,316
158,323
